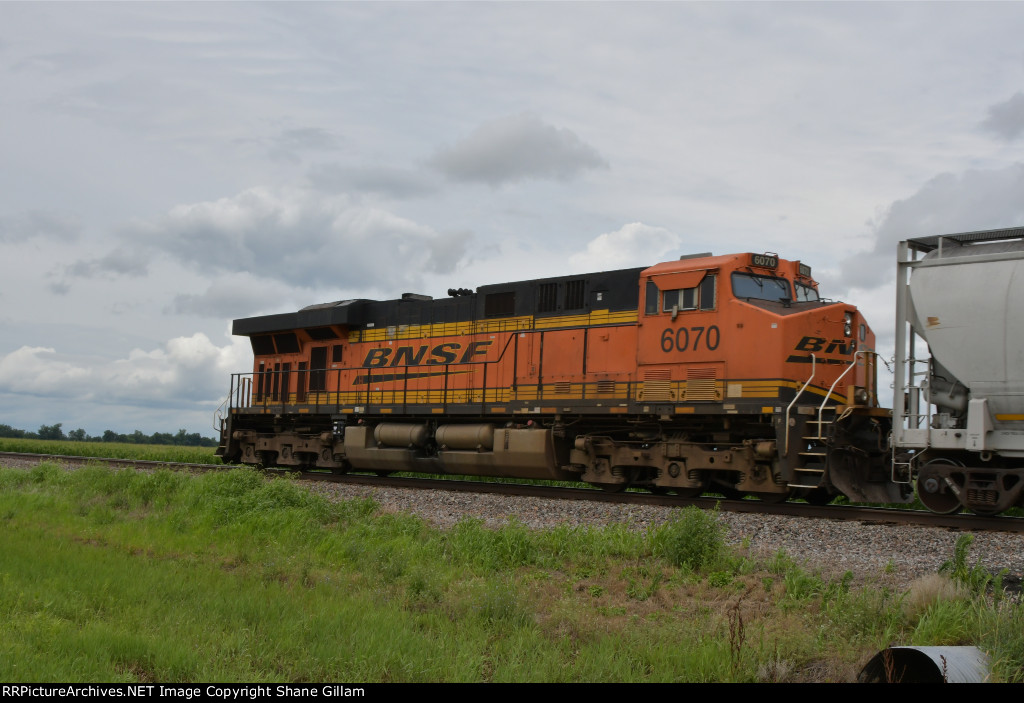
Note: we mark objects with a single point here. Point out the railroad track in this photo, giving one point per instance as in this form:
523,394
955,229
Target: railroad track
873,515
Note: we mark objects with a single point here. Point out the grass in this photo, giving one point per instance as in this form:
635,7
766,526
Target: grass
230,576
112,450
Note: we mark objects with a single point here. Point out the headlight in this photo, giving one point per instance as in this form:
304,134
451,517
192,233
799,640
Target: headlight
848,324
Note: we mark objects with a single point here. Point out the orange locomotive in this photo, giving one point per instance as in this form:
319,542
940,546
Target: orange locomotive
711,373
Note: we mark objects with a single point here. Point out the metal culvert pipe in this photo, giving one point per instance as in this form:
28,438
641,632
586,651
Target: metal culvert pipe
927,665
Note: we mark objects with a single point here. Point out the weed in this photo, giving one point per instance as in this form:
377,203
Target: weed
975,579
737,634
720,579
692,538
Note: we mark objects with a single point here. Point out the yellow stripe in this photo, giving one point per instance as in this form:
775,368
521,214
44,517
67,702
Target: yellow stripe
505,324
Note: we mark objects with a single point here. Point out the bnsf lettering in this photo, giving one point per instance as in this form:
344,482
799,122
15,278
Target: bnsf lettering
817,344
414,356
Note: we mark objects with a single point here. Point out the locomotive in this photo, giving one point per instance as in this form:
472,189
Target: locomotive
726,374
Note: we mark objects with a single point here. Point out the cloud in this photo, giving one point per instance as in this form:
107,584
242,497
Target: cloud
296,237
381,180
38,225
290,143
1006,119
517,148
947,204
123,261
635,244
237,295
187,371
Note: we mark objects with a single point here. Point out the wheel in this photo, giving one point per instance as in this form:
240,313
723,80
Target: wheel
612,487
936,494
818,496
772,498
730,493
690,493
984,512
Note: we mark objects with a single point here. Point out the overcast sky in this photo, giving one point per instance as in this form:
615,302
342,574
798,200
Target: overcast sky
167,168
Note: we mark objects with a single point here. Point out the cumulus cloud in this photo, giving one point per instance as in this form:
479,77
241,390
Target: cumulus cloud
185,372
517,148
1006,119
293,236
635,244
947,204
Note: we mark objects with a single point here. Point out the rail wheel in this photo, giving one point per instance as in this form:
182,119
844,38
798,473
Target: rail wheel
935,490
772,498
818,496
984,512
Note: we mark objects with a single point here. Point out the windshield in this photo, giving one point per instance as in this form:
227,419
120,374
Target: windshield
805,293
748,285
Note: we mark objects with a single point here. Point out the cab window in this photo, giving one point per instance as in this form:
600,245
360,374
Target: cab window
748,285
805,294
700,297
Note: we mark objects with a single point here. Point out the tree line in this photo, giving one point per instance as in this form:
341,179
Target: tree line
56,432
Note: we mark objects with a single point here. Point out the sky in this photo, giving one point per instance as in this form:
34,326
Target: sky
167,168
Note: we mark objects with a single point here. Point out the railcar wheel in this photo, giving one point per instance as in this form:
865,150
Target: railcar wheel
984,512
935,492
612,487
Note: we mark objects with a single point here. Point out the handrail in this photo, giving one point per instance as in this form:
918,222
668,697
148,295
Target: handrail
821,409
793,402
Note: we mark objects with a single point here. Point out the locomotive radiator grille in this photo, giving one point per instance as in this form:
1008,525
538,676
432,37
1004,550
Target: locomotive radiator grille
657,385
701,384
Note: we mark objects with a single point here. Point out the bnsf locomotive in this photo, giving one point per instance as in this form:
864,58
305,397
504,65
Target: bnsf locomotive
725,374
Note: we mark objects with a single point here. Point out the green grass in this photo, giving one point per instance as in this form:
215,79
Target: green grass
232,576
113,450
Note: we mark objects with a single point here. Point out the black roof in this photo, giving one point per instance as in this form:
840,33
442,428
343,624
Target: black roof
619,291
